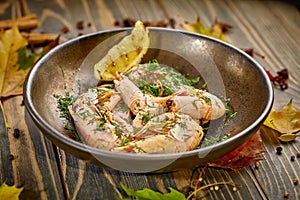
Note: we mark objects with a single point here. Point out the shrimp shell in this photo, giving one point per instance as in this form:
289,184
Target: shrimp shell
86,119
166,133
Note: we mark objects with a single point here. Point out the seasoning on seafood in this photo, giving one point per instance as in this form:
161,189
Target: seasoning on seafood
166,133
125,118
92,116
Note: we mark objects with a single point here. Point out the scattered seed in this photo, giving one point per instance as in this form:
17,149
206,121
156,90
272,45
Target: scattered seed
286,195
293,158
234,189
16,133
279,150
298,154
116,23
256,165
295,181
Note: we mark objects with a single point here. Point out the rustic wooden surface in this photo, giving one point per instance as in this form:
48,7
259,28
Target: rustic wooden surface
272,28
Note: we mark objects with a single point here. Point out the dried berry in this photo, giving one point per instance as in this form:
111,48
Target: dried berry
298,154
251,52
286,195
129,22
80,25
280,80
117,23
65,30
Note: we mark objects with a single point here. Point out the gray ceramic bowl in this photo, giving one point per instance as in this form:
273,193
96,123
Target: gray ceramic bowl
228,72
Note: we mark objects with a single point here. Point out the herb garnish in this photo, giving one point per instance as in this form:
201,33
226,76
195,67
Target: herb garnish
228,112
63,103
145,118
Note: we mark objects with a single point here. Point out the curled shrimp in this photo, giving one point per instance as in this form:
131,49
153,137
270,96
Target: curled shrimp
198,104
94,120
166,133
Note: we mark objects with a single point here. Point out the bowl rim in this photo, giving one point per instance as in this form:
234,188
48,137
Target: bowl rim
55,134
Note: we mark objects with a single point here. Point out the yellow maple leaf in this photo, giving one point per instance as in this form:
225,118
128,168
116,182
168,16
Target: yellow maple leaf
217,30
285,121
9,192
11,78
196,27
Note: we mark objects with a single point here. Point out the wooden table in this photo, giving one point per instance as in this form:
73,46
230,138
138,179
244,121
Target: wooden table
271,28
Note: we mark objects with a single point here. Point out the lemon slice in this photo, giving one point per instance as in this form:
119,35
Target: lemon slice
124,55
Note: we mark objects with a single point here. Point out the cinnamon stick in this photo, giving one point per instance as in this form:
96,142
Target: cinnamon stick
26,22
37,39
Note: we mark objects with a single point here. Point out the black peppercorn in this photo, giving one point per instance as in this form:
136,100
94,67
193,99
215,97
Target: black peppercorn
11,157
279,150
169,102
16,133
292,158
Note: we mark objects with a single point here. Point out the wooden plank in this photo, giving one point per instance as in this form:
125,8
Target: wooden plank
80,176
31,163
6,172
263,31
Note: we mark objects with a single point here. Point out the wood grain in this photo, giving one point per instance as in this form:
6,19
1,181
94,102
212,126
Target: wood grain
31,164
47,172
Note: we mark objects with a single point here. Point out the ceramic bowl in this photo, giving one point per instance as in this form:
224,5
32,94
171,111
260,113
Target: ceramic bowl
228,72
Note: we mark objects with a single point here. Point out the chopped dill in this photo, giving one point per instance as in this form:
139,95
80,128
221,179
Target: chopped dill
145,118
63,103
204,85
192,81
228,112
210,140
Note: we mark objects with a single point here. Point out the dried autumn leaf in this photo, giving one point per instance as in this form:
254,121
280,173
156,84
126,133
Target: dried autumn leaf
196,27
217,30
9,192
285,121
11,78
243,156
147,193
287,137
15,62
